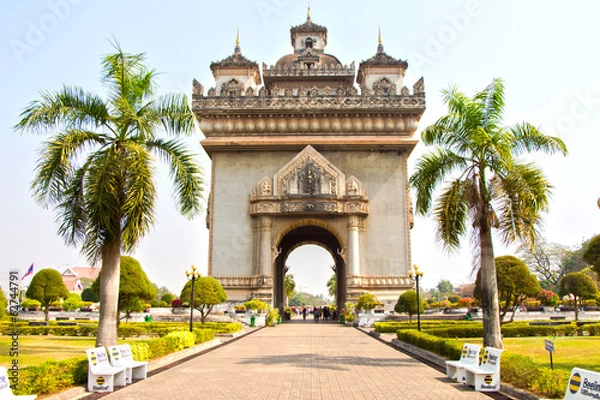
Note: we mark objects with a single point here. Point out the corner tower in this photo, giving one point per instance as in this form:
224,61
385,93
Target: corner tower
308,157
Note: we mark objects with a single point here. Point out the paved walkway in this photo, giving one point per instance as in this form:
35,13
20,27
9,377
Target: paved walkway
300,361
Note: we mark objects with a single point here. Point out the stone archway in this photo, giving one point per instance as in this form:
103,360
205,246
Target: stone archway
309,232
298,141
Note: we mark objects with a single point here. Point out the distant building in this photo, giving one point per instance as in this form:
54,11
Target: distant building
78,278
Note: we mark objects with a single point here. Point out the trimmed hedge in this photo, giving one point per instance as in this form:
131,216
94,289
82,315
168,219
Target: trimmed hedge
520,371
517,330
54,376
132,329
444,347
393,326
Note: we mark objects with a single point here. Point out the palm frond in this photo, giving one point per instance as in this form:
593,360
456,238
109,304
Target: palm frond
104,198
521,196
431,169
175,114
57,161
185,172
526,138
69,108
451,212
491,101
71,213
140,195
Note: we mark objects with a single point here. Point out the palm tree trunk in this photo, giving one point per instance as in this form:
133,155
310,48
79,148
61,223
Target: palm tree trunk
492,336
109,294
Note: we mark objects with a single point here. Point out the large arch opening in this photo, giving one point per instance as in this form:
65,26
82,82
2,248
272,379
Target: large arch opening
300,236
311,266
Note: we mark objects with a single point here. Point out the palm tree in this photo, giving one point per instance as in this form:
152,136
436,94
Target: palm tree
289,286
332,285
486,185
98,168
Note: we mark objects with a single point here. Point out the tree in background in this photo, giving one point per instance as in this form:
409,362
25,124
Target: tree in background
580,286
591,254
546,261
134,287
515,284
367,302
332,285
163,297
47,286
304,299
73,302
98,168
445,288
208,292
486,186
407,303
89,295
167,298
289,286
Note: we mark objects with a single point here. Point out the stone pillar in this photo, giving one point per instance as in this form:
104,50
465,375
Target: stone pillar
353,245
264,246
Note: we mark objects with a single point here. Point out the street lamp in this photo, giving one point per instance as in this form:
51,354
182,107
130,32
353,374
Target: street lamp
192,274
418,274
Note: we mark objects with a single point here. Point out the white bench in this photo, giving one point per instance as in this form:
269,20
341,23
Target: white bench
103,377
583,384
120,356
6,391
469,356
486,376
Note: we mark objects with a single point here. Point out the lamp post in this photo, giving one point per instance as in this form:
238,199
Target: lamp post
192,274
418,274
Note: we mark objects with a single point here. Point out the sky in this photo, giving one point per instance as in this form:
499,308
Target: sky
545,51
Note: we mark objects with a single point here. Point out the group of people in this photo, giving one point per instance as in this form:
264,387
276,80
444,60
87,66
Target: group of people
325,313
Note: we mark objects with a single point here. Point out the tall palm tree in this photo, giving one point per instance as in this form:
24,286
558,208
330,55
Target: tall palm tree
486,185
98,167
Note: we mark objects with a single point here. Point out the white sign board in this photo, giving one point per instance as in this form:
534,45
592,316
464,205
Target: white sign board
549,346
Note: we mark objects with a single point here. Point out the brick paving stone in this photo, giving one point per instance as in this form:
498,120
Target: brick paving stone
300,361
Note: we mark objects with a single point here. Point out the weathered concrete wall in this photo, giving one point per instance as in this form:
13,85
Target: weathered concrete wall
384,243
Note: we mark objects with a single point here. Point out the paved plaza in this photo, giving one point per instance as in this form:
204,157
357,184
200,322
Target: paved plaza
300,360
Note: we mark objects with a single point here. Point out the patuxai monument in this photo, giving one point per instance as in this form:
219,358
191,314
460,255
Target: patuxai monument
309,151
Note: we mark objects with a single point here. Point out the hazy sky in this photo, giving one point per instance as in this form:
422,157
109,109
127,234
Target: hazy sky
546,51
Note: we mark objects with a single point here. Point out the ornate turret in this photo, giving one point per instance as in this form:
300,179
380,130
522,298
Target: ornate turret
308,70
381,73
236,75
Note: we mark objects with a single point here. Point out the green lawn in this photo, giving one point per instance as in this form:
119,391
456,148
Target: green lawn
569,351
34,350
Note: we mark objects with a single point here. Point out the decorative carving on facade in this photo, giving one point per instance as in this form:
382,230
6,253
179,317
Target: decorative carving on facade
342,100
263,189
379,281
244,282
309,183
197,88
419,87
309,180
354,187
309,173
233,88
